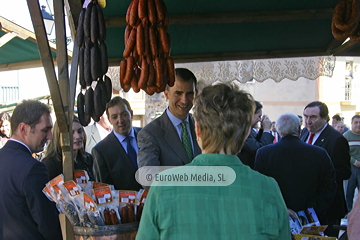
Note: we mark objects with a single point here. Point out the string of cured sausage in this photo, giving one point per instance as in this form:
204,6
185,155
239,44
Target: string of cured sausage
92,64
147,64
345,21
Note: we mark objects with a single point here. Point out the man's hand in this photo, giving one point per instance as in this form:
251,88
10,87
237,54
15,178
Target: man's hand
265,123
292,213
357,164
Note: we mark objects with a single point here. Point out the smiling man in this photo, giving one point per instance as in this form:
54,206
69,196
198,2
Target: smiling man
26,213
115,160
318,132
170,139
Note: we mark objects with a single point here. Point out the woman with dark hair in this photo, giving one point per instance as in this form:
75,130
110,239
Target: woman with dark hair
53,152
4,128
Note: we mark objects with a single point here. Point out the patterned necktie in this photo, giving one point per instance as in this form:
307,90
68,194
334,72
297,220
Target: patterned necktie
311,138
131,152
186,141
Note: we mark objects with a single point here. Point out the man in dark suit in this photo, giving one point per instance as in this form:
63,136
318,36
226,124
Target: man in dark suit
25,212
256,139
170,140
115,156
318,132
305,173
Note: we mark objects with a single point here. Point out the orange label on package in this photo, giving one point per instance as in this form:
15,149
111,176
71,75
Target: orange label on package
103,195
58,194
127,196
99,185
144,196
80,176
47,192
57,180
89,203
72,188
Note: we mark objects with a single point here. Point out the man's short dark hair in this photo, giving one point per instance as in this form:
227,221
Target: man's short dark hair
258,106
324,111
115,101
186,75
337,117
28,112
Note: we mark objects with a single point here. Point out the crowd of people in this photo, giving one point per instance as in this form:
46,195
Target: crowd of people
281,167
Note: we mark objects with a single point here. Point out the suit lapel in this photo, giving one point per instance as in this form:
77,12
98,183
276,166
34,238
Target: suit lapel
171,136
321,140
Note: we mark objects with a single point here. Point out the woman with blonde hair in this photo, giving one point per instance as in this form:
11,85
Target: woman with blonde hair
249,207
53,152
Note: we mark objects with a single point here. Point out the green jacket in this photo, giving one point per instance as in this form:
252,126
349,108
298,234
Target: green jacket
251,208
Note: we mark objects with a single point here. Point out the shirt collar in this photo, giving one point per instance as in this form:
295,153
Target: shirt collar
174,120
319,132
212,159
121,138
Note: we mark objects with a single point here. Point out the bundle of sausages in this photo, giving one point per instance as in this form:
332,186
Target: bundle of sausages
345,21
147,64
93,64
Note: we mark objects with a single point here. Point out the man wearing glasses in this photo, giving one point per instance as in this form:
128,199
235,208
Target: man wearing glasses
318,132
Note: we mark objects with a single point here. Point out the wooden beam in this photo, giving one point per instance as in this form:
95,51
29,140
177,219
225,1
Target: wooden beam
245,17
209,57
63,67
47,62
73,9
6,38
346,46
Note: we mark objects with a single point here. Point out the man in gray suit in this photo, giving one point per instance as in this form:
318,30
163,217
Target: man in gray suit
97,132
170,140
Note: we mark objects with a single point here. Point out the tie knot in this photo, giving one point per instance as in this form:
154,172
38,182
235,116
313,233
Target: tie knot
128,138
183,123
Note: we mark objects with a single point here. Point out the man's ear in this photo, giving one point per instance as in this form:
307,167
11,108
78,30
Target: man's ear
166,94
23,129
132,114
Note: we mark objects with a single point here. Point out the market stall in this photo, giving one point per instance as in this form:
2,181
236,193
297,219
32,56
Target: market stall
200,31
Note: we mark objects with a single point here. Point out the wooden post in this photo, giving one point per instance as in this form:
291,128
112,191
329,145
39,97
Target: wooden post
60,91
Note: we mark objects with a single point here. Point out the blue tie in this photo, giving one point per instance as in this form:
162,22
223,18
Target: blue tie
131,152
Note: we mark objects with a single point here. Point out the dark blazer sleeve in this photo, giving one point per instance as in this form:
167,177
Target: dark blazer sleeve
341,159
100,167
252,144
327,185
149,151
260,162
42,209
